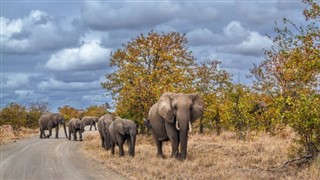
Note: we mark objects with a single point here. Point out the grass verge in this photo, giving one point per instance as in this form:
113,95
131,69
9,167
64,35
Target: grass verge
209,157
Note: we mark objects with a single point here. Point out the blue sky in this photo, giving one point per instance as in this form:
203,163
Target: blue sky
58,51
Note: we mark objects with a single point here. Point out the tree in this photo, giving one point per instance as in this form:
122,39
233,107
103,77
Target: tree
212,83
291,75
15,115
69,112
96,110
35,110
145,68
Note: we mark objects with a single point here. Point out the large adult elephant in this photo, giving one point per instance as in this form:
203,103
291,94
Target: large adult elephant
122,130
90,120
103,127
49,121
170,119
75,125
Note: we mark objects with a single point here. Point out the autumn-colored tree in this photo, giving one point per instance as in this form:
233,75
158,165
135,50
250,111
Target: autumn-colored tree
96,110
35,110
145,68
69,112
212,83
291,75
15,115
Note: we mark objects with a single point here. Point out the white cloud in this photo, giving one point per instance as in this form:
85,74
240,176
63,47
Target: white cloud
15,80
147,15
23,93
233,33
257,12
8,28
235,29
202,36
90,55
53,84
252,46
35,33
255,43
95,98
124,16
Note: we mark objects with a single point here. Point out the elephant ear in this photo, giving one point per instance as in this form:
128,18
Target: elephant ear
119,127
164,107
54,118
197,107
78,122
129,126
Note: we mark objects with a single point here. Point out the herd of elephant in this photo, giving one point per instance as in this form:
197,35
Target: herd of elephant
169,119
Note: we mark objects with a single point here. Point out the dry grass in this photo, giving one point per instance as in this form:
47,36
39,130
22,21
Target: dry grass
7,134
209,157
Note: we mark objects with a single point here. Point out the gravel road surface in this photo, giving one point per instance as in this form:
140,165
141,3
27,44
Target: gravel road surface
46,159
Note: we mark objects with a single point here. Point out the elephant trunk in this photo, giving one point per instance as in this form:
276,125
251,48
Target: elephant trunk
133,142
65,129
183,143
184,127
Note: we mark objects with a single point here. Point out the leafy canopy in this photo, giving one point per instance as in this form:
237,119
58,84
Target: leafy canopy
146,67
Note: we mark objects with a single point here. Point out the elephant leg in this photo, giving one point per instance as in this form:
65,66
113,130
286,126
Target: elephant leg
50,132
90,127
69,135
41,134
44,133
120,144
173,136
102,141
57,132
131,151
112,148
107,141
80,135
75,136
95,127
174,146
159,146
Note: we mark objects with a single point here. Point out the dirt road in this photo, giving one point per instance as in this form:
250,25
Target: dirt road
59,159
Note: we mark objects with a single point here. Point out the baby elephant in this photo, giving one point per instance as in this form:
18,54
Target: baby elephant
90,120
122,130
75,125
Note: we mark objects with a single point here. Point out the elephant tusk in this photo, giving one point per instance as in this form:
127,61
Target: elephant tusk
177,126
190,127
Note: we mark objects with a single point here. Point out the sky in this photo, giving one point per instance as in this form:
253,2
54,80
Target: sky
59,51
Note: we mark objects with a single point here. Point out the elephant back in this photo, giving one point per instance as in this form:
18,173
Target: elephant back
72,122
87,120
45,117
104,122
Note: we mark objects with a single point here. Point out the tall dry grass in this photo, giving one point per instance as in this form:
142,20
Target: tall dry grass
209,157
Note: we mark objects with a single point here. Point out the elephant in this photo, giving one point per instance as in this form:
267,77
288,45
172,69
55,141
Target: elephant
170,119
90,120
122,130
48,121
103,127
75,125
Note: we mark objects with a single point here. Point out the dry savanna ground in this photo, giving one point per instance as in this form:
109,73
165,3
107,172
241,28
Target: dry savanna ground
7,134
209,157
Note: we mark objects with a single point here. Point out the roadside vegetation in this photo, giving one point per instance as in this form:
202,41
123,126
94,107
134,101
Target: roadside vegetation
237,137
18,121
261,156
